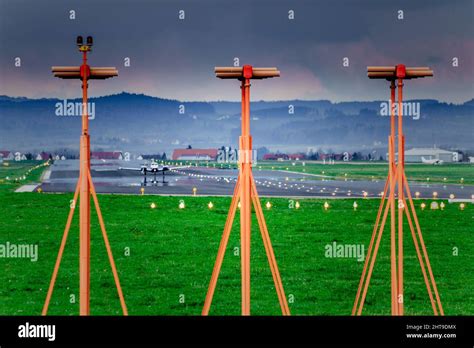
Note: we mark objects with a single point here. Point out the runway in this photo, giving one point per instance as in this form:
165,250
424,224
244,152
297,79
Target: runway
220,182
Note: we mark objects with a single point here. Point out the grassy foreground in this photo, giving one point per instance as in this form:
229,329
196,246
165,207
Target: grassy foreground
165,257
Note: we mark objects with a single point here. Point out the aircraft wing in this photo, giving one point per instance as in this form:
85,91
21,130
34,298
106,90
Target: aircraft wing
135,169
172,168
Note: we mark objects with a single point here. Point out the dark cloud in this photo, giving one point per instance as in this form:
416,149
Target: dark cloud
174,59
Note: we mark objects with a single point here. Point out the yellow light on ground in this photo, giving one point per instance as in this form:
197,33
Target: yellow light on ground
417,194
401,205
194,191
423,206
152,205
355,206
238,205
268,205
39,190
210,205
451,196
442,205
181,205
365,194
462,206
435,194
326,205
142,190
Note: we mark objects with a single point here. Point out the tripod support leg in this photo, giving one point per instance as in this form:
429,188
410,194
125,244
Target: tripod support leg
423,247
374,257
371,245
269,250
61,249
420,258
107,245
222,248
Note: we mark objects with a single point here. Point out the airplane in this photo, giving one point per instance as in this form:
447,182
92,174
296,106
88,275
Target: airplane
153,168
431,161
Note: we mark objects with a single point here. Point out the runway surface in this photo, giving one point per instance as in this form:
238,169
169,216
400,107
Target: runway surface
220,182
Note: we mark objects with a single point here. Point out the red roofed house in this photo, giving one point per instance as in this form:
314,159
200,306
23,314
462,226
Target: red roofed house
195,154
275,157
115,155
297,156
43,156
7,155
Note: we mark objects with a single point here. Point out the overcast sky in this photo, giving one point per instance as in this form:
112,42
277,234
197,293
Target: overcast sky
174,58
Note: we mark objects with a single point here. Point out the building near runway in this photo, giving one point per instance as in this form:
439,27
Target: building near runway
415,155
284,157
195,154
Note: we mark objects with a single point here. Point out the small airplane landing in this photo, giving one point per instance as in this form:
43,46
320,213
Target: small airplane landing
153,168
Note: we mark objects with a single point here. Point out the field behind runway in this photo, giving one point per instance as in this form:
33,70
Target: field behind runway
165,256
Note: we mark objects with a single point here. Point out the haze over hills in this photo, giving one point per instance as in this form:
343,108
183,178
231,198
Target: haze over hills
142,124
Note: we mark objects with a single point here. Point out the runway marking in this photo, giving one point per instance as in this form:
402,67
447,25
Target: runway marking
27,188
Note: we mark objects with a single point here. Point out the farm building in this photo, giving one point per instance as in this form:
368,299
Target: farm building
415,155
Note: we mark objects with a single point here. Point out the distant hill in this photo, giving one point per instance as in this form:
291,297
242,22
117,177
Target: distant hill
140,123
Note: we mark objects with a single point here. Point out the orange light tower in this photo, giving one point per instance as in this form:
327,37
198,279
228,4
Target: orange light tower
246,191
397,204
85,187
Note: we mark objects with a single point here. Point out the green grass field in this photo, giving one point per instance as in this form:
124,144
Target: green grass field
448,173
455,173
12,173
172,252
